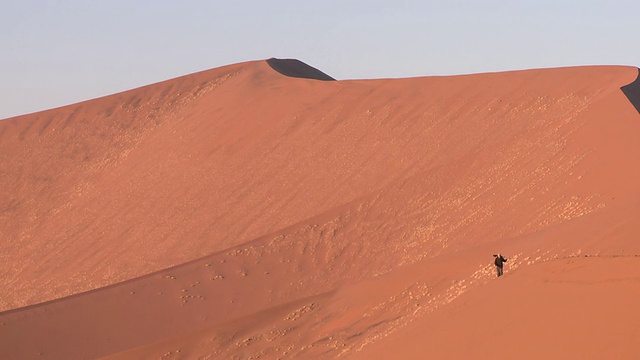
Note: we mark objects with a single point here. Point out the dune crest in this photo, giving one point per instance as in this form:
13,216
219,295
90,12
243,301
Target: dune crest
298,69
632,92
237,213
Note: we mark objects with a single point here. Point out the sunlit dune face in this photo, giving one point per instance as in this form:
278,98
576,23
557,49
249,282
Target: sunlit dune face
265,210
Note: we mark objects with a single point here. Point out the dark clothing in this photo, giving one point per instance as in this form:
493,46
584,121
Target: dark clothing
499,264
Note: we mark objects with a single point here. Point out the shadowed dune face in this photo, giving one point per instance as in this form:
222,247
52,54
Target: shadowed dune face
238,212
632,91
296,68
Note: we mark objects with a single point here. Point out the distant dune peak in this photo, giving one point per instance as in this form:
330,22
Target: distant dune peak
296,68
632,92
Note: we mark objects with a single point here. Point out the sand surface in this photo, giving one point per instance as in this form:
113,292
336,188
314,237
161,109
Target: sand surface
263,210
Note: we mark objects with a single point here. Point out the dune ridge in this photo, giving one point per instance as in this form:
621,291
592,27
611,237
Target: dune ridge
236,212
296,68
632,92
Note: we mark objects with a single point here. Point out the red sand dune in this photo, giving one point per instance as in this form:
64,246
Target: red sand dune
253,211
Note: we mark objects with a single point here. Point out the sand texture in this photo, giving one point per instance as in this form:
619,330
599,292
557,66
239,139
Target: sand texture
264,210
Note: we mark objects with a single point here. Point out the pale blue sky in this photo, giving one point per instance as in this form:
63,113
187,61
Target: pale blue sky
54,53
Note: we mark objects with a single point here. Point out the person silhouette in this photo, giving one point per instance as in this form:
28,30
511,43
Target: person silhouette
499,261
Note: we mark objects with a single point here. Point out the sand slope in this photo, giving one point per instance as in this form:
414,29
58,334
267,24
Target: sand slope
255,211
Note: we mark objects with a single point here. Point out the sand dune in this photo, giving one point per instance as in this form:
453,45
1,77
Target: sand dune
252,211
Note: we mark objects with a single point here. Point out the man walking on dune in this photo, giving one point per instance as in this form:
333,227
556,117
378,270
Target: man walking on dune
500,260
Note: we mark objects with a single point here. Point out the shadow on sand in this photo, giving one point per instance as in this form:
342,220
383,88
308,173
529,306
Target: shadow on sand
632,92
296,68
